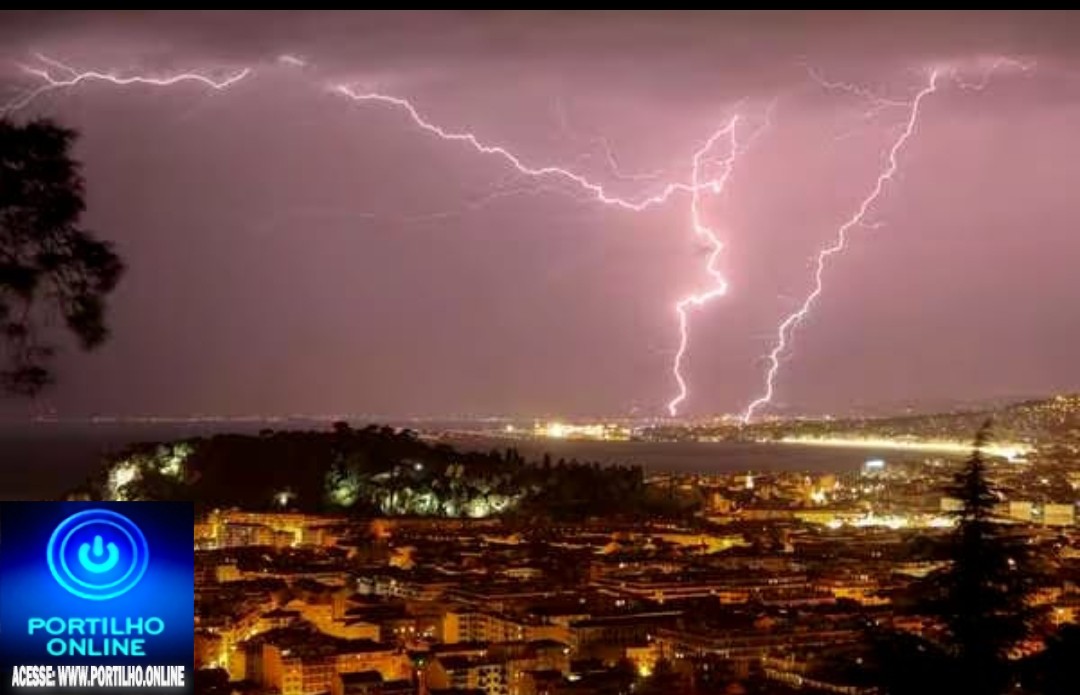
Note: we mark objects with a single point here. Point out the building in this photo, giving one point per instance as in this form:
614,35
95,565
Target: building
358,683
301,661
1059,514
487,674
1020,510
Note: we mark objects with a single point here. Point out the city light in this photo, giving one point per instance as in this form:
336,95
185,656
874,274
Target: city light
485,510
563,430
1010,451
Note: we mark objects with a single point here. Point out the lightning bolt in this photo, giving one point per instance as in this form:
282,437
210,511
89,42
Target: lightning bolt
697,185
291,60
879,102
491,197
616,170
73,77
858,218
603,145
706,233
598,191
56,75
990,68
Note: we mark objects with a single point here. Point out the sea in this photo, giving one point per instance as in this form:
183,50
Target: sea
41,460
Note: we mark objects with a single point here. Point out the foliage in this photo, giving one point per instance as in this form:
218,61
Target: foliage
374,470
48,263
663,680
977,606
1056,671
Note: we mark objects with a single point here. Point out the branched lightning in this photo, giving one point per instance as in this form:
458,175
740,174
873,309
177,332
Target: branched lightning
291,60
787,326
991,67
879,102
707,234
698,184
603,145
72,77
487,199
704,232
617,171
598,191
709,174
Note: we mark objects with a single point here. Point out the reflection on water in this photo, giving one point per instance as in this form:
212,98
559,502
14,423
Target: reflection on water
40,461
691,457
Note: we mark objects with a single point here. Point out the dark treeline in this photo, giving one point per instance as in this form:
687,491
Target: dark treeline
372,470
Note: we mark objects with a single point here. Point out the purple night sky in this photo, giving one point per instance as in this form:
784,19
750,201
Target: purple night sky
292,252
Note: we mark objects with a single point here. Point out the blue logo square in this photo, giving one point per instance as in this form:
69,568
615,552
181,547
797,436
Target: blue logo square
96,597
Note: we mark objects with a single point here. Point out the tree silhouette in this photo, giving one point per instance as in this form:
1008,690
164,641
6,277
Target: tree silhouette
978,602
49,265
1056,671
663,680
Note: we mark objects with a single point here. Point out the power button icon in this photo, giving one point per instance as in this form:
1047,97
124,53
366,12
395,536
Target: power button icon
97,554
93,565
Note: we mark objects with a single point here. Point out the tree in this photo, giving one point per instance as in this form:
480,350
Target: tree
979,600
212,681
663,680
49,265
1056,671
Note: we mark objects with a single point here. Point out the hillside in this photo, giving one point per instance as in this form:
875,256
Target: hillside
374,470
1036,422
1048,425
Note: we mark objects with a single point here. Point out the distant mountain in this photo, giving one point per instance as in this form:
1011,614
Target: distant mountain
1053,420
885,409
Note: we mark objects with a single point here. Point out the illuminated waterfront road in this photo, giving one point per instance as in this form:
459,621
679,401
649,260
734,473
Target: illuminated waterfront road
1006,450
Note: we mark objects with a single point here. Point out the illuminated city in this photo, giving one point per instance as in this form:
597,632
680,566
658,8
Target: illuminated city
550,352
562,430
